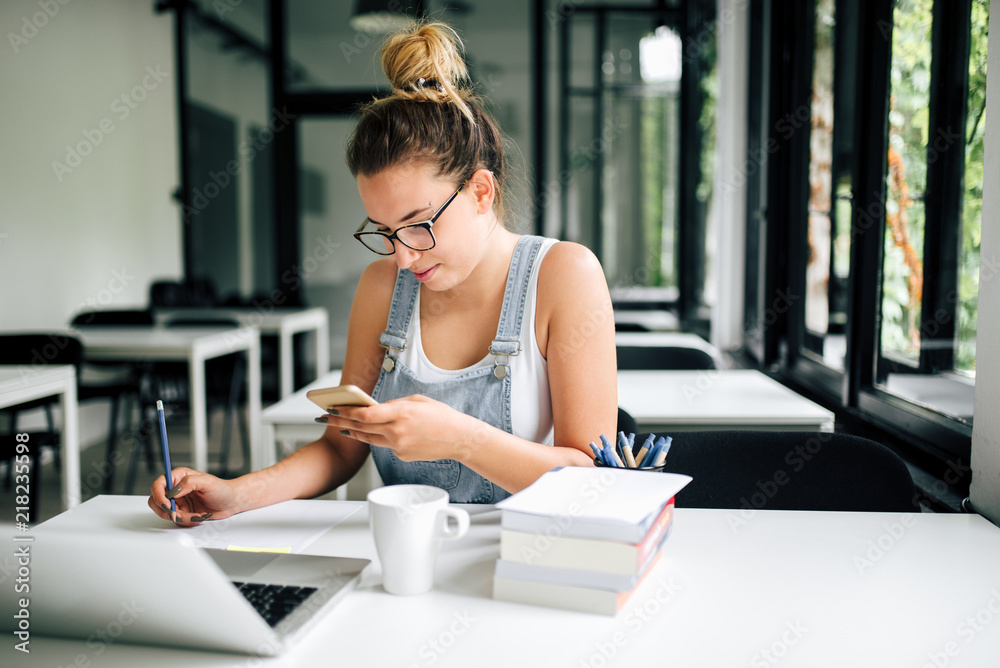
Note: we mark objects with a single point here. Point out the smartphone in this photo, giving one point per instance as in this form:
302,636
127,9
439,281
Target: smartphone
342,395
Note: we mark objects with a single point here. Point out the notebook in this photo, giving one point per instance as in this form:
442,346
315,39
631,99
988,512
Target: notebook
162,590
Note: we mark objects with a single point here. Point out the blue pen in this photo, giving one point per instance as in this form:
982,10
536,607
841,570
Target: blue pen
653,452
610,458
662,456
166,458
597,453
644,450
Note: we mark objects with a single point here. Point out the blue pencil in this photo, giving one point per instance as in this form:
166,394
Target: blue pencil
166,458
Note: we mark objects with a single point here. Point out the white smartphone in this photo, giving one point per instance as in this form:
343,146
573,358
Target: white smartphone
342,395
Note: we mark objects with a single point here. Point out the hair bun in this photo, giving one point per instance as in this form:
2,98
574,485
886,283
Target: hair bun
426,62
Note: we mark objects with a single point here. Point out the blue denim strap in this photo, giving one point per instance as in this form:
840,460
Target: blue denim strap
404,295
508,339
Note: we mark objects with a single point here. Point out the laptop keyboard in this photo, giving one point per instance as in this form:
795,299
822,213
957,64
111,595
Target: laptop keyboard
274,602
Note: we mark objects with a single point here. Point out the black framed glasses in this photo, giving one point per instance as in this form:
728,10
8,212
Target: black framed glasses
416,236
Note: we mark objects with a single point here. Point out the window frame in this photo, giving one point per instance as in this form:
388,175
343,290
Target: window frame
783,344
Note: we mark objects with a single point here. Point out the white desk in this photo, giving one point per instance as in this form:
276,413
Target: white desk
716,399
771,588
289,421
193,345
21,383
285,323
658,400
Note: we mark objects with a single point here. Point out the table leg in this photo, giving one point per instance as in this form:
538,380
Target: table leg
253,397
267,453
199,417
70,439
286,362
322,348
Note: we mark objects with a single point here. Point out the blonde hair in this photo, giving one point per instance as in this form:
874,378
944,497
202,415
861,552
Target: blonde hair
433,114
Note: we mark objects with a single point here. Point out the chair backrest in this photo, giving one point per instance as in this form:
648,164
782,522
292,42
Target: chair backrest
40,349
168,293
194,292
679,358
626,423
113,317
759,470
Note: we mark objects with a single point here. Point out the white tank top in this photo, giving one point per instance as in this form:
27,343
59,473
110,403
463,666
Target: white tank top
530,402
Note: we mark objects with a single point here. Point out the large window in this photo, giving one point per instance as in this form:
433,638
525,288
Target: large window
876,115
933,199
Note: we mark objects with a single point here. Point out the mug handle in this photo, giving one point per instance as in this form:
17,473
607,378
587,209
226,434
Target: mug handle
445,532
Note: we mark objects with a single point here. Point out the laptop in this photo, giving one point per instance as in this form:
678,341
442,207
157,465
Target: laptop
162,590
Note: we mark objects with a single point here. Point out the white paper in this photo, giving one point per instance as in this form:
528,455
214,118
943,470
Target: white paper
597,493
290,526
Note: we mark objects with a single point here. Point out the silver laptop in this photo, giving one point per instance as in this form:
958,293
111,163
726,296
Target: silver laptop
161,590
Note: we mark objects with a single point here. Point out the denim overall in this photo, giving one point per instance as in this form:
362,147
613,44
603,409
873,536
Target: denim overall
482,392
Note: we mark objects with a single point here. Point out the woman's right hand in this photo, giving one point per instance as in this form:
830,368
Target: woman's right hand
198,497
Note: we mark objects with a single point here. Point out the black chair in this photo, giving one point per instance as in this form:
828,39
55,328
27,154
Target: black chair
762,470
680,358
194,292
626,422
118,381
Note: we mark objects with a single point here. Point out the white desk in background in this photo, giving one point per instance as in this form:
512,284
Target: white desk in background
733,588
290,421
20,383
194,345
658,400
284,323
666,401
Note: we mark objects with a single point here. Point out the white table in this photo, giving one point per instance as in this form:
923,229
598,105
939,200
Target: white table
194,345
734,588
22,383
285,323
658,400
716,399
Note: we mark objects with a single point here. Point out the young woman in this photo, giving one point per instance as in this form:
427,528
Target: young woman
492,354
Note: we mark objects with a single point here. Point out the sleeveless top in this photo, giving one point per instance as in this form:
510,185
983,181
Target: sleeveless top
483,390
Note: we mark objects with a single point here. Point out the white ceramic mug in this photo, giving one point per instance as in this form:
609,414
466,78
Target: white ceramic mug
408,523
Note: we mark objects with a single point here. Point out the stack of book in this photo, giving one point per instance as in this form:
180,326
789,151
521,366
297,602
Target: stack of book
583,538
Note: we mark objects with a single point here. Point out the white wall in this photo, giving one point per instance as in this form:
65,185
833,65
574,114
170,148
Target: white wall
99,231
986,432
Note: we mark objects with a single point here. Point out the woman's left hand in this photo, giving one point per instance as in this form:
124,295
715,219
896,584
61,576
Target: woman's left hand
416,427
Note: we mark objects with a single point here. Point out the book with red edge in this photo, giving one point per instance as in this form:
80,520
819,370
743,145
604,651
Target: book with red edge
601,557
567,596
